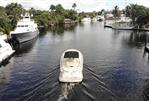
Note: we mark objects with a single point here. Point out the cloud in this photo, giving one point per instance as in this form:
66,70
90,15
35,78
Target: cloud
82,5
87,5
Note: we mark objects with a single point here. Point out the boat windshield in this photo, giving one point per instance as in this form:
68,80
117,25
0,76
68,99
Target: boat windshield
20,26
71,54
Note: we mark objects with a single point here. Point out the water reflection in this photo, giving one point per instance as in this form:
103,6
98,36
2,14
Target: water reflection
124,80
43,31
25,47
61,28
131,38
137,36
145,54
4,77
112,71
146,91
116,33
136,39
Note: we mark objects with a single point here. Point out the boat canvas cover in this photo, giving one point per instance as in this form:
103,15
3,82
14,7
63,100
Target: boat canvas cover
71,54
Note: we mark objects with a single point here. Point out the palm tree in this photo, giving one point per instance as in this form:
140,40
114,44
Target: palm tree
14,12
52,8
102,12
5,25
59,9
74,6
128,11
116,12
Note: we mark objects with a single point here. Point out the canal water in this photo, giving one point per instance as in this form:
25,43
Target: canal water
115,66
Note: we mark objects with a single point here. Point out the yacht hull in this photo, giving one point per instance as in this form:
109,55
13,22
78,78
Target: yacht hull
24,36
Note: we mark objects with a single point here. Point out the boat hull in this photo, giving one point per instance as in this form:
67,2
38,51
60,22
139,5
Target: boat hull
71,76
5,51
6,56
24,36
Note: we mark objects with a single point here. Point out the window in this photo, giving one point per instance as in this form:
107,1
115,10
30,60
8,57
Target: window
71,54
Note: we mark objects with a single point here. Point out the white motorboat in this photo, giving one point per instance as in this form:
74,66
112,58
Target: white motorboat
25,30
94,19
100,18
71,66
124,23
5,50
86,19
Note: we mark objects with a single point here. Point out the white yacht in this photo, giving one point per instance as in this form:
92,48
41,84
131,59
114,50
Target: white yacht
100,18
71,66
124,19
124,23
86,19
25,30
5,50
94,19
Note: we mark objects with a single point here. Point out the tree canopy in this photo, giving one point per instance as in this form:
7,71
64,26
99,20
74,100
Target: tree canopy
10,15
138,13
74,6
116,12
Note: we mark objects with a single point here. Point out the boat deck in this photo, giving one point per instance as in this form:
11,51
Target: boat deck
71,62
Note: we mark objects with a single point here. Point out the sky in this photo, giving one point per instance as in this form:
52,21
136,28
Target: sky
82,5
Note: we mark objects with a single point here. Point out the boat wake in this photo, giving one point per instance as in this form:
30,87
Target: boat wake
92,87
48,87
66,89
97,78
38,86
